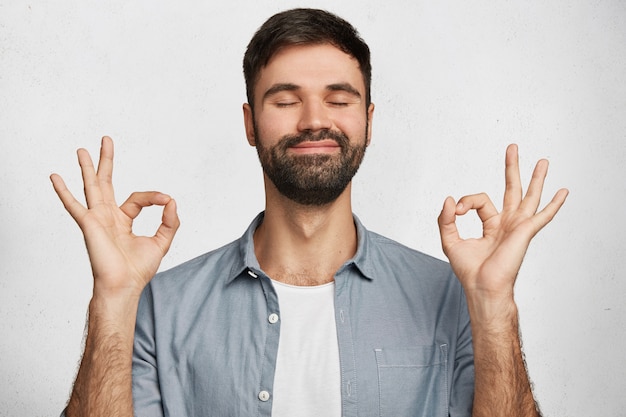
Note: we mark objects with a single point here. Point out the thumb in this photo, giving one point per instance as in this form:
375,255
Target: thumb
447,224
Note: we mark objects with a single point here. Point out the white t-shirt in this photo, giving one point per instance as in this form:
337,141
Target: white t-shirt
307,382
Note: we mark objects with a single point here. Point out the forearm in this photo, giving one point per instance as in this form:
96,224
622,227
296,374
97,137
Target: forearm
502,387
103,386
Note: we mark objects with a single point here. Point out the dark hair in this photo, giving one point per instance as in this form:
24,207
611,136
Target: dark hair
302,27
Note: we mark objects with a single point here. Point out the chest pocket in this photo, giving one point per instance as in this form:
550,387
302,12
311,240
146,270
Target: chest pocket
413,382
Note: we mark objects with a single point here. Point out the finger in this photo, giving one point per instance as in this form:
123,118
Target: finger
513,182
73,207
169,225
447,224
93,196
531,200
138,200
105,169
546,215
480,202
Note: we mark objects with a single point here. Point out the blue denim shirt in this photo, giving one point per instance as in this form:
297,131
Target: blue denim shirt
207,335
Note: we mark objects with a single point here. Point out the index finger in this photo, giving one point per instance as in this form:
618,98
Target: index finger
138,200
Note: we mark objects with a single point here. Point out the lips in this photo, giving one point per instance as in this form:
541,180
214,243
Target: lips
318,146
325,143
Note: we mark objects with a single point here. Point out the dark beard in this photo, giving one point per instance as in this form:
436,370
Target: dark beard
311,180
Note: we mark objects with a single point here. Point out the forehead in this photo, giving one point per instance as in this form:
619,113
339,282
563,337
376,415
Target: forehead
310,66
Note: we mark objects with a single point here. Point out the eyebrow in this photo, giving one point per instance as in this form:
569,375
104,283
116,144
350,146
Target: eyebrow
346,87
277,88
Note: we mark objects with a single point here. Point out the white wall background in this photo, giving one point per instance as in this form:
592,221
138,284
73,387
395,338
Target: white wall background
454,82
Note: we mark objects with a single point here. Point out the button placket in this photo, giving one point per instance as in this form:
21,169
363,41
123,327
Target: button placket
272,329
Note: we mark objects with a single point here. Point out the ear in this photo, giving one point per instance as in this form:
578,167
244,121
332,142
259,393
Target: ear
370,118
248,121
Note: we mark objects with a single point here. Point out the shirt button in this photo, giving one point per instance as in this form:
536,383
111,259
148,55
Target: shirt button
273,318
264,396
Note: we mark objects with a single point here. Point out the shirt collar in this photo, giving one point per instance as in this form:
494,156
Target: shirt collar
246,259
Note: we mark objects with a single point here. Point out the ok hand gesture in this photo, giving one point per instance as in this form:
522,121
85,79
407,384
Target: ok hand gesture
487,267
122,263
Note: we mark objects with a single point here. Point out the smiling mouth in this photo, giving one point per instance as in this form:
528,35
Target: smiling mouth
318,146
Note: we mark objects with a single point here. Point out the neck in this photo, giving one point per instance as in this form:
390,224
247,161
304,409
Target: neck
304,245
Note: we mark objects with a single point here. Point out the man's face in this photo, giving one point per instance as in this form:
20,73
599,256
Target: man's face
310,124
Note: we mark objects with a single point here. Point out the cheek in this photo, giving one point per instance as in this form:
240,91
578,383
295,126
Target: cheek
353,125
274,126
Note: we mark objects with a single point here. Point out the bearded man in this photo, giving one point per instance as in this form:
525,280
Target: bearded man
308,313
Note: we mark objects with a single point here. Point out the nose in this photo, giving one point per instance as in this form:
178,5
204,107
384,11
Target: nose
314,116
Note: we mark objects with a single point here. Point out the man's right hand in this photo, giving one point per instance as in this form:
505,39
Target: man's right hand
122,263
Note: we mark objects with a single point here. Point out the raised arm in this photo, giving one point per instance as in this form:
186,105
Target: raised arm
122,265
487,268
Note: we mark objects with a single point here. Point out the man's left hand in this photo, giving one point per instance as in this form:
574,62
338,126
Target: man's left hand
487,267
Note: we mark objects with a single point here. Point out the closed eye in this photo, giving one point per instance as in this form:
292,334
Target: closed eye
283,104
342,100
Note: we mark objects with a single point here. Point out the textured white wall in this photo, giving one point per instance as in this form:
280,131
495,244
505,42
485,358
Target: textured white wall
454,82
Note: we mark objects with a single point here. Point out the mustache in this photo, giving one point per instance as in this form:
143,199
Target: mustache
289,141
